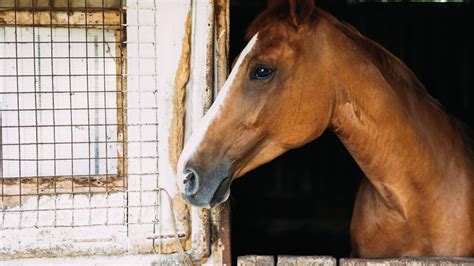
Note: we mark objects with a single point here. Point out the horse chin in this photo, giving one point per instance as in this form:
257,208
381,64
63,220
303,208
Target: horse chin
222,193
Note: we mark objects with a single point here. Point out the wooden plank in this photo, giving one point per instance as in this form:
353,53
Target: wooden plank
121,98
222,38
60,3
217,69
306,260
90,19
255,260
408,261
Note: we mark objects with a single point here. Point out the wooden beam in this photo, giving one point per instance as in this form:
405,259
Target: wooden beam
78,19
60,4
408,261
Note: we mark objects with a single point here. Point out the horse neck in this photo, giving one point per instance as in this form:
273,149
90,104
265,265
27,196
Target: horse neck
400,138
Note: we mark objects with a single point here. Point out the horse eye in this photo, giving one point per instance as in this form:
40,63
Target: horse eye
261,73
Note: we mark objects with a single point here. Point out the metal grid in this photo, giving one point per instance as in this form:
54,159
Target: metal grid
80,82
62,118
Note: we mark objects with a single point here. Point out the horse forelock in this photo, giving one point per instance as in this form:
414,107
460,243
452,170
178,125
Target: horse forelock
262,21
279,11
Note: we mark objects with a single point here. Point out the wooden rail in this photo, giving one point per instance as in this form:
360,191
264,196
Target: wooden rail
251,260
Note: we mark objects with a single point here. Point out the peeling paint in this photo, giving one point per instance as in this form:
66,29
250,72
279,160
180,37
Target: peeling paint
121,114
176,137
222,38
220,216
220,231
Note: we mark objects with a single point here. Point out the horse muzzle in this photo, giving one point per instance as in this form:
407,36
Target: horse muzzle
203,189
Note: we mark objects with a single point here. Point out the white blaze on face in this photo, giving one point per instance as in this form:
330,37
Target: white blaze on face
198,136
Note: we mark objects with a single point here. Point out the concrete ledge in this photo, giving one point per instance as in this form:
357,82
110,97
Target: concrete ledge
251,260
409,261
145,260
306,260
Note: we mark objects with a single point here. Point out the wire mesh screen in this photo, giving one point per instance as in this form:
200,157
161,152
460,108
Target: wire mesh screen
59,112
61,108
79,129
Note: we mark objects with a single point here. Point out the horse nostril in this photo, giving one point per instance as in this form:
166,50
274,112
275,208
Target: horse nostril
188,177
190,182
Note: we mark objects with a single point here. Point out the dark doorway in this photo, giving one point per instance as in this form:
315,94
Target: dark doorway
301,203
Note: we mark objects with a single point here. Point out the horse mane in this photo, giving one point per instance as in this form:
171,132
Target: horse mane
386,60
379,55
467,134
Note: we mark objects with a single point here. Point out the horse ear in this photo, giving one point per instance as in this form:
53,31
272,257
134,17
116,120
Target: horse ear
300,11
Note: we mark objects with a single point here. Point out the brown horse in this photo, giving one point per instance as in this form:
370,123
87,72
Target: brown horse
302,72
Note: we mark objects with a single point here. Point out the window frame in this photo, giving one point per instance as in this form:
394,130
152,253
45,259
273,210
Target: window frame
87,18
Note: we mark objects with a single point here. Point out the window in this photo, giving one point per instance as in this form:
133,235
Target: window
61,98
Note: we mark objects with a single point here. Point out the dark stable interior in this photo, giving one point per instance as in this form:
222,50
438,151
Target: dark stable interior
301,203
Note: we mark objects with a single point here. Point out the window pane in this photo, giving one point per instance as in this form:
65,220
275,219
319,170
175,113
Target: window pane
53,108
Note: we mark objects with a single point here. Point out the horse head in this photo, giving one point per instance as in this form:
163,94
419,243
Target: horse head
277,97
